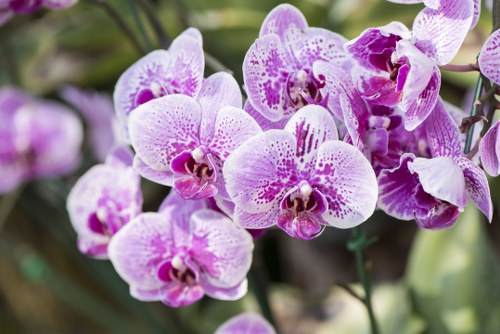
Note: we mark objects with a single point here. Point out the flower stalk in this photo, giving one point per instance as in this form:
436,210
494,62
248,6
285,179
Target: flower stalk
357,243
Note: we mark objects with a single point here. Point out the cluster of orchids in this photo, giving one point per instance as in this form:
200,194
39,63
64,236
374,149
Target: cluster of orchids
326,131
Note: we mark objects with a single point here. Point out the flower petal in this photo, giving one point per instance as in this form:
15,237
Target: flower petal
442,132
223,249
489,150
489,58
348,182
163,128
258,220
264,122
440,32
311,126
257,172
417,110
477,186
246,323
234,293
397,190
219,90
138,249
442,178
281,19
265,71
319,44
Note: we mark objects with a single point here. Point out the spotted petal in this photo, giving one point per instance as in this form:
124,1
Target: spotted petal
440,32
398,187
418,109
258,171
489,58
312,126
219,90
223,249
265,71
138,249
477,186
348,182
442,132
282,18
163,128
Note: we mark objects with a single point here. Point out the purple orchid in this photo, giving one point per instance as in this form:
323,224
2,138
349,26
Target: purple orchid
246,323
181,253
103,200
178,70
183,142
300,178
9,8
38,139
434,191
397,67
489,58
489,150
278,69
97,109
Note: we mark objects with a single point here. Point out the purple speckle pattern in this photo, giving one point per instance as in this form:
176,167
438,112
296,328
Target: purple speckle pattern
489,58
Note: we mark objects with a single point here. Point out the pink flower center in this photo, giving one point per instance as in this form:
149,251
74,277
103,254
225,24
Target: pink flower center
302,88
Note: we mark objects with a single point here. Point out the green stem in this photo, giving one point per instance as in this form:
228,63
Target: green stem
357,243
496,15
138,23
257,282
475,106
120,23
160,32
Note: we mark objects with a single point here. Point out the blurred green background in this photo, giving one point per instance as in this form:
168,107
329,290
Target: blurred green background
425,282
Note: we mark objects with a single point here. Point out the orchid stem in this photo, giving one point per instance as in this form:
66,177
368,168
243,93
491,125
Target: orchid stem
357,243
120,23
475,106
257,282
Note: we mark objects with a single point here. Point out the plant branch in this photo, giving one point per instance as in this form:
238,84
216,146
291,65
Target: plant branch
357,243
140,26
120,23
160,32
473,113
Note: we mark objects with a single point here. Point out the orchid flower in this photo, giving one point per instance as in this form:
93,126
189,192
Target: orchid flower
434,191
182,142
182,253
39,139
178,70
300,178
278,69
103,200
397,67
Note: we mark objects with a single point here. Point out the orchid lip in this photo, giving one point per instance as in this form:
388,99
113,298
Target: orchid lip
302,88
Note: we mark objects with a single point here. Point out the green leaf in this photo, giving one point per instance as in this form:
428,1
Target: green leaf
453,278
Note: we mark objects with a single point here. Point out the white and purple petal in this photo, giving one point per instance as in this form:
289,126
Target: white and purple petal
489,58
477,186
260,169
347,180
489,150
162,129
440,32
442,132
281,19
442,178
